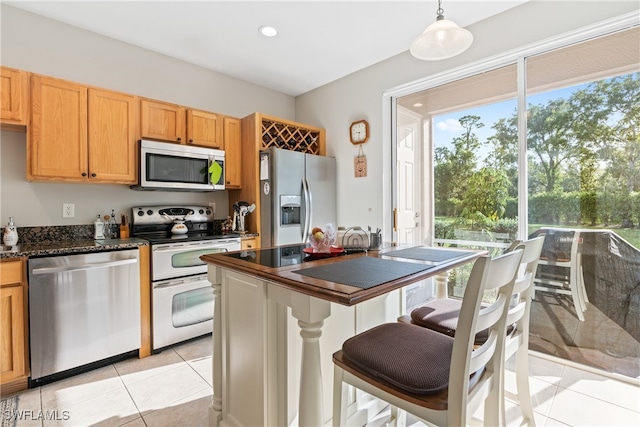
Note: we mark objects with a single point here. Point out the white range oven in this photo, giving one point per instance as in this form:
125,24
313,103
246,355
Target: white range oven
182,297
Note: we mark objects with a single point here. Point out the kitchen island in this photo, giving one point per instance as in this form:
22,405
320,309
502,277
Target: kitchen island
262,373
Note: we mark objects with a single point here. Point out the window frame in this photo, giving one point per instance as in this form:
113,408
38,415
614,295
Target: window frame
517,56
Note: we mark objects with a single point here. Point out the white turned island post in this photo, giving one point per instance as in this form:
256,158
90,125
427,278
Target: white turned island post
251,394
214,276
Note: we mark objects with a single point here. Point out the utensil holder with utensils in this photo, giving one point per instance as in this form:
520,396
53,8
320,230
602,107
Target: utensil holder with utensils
375,240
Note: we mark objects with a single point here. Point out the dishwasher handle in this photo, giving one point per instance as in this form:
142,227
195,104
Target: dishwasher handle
91,266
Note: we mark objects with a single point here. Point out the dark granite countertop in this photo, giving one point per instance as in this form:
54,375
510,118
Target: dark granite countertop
70,246
328,286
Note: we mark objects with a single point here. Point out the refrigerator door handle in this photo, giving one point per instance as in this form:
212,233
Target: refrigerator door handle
307,210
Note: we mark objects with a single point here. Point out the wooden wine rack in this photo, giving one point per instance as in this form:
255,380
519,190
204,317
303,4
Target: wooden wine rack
290,136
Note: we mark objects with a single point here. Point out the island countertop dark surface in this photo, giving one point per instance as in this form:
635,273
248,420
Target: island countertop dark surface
400,263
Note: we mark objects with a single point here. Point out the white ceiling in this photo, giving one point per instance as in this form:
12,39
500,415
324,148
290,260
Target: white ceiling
318,41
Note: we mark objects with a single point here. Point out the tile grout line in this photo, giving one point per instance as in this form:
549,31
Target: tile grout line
130,396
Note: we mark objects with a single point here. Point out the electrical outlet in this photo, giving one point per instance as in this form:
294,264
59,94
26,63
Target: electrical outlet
68,210
212,205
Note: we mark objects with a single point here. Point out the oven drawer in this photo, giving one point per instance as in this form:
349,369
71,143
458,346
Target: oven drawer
183,259
182,309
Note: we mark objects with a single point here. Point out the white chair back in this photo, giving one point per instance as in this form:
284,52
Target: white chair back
467,360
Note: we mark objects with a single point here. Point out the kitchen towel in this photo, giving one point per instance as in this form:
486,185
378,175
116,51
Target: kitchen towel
364,272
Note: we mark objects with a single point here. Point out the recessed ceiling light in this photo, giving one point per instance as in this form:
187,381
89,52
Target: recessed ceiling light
268,31
417,104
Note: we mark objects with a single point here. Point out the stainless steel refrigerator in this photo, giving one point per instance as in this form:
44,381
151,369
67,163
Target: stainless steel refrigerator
297,193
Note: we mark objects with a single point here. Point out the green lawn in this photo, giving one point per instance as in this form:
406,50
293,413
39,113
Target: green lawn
458,278
631,235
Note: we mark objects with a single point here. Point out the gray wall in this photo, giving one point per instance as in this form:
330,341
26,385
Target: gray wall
40,45
359,96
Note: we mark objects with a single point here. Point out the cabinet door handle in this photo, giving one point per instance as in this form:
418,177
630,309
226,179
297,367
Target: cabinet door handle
179,139
191,141
84,174
93,175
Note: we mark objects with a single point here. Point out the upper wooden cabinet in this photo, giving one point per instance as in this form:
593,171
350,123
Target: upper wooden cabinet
205,129
166,122
163,121
233,152
13,330
57,143
13,98
81,134
113,119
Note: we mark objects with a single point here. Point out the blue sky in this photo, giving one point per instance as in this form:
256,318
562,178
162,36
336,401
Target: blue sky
447,127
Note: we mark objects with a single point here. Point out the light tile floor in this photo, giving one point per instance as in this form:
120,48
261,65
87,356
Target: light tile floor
174,388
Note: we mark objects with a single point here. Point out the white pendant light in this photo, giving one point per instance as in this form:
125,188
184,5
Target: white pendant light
441,40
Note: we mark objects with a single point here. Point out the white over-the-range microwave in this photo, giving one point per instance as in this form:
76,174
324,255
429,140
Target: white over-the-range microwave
176,167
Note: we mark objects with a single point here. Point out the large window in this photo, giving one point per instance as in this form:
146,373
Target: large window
570,159
583,154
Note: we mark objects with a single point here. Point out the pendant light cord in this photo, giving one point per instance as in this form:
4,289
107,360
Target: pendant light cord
440,11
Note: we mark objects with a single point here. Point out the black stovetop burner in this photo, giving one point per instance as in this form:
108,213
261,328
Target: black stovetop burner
161,233
272,257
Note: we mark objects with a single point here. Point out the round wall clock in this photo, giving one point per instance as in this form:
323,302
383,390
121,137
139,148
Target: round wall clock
359,132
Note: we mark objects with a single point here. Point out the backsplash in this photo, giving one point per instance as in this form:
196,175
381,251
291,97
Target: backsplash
55,233
59,233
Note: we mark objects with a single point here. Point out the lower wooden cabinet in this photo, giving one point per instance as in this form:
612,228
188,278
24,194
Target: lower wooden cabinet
250,243
13,326
145,301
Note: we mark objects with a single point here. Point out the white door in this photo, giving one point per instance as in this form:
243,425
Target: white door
409,173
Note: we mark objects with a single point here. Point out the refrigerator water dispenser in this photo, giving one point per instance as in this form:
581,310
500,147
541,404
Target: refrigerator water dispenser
290,210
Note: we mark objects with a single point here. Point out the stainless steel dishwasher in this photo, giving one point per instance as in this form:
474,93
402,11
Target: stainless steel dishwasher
83,309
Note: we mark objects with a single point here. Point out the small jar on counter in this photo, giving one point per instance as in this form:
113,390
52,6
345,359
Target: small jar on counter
10,236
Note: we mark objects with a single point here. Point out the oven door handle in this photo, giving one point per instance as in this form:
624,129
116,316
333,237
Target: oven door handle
229,242
179,282
174,248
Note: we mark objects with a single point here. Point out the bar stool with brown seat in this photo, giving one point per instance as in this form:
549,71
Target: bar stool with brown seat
442,316
439,379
